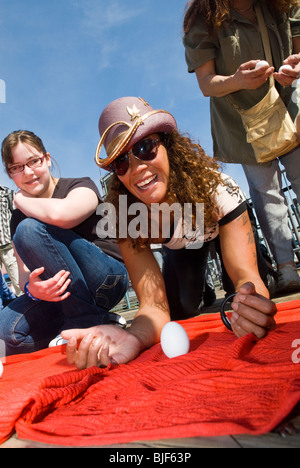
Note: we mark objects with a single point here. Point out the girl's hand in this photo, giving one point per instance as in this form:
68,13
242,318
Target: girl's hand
50,290
20,197
252,313
100,346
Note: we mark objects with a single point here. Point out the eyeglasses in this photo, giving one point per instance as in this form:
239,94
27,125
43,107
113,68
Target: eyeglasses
145,150
32,164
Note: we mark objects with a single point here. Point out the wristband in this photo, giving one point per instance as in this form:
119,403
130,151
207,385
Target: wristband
28,293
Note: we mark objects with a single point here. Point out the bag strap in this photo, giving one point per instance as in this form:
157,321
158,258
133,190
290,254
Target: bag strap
265,38
267,49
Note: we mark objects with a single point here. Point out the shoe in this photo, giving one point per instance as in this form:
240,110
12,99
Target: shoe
288,279
57,341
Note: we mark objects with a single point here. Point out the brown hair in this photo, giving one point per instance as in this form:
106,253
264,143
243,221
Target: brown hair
216,12
13,139
193,178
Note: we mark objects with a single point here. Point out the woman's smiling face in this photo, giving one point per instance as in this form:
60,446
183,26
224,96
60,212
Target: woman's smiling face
148,180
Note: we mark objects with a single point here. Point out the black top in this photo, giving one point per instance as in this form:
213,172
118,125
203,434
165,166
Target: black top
87,229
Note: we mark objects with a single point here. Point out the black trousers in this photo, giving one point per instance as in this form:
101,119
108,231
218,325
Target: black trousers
184,275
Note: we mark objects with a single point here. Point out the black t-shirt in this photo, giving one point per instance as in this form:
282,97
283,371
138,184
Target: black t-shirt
87,229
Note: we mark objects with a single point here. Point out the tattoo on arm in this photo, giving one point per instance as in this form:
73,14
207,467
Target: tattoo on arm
250,237
244,217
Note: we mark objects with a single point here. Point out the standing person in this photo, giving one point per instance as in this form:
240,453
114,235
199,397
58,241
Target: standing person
7,256
67,279
223,45
156,168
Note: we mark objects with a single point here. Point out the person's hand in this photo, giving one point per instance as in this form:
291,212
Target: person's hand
20,197
288,76
50,290
100,346
252,313
248,77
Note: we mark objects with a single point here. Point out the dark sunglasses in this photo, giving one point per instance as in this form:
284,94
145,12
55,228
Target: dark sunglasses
145,150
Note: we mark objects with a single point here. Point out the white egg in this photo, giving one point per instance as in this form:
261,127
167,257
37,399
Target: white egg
174,340
1,369
261,63
285,68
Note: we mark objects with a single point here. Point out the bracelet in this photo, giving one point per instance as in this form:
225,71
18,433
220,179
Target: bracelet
224,317
28,293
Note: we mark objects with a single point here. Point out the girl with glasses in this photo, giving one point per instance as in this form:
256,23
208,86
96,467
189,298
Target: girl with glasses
159,171
70,277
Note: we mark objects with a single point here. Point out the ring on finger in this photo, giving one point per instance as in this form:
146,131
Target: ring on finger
99,353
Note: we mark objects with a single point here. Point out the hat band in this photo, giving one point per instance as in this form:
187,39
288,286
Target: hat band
130,132
120,145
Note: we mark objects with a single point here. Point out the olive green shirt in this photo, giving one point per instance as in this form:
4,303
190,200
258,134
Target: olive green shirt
237,42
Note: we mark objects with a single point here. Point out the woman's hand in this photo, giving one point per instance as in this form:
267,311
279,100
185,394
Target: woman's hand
290,75
50,290
100,346
245,77
252,313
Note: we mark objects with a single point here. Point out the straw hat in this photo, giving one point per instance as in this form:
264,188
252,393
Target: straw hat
126,121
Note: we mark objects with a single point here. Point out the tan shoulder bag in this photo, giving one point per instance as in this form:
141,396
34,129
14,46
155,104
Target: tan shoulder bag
269,127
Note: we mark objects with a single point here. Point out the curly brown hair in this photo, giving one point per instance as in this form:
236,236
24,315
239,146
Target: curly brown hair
194,178
216,12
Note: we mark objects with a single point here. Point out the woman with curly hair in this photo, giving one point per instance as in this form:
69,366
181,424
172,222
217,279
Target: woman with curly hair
215,13
161,173
223,44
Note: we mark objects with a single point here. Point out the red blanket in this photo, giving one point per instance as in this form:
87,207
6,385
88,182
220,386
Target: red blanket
223,386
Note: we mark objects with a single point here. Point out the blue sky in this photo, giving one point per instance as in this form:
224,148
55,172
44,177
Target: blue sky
63,61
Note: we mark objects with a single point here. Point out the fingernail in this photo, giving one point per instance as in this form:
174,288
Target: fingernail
97,341
241,297
234,317
234,306
88,337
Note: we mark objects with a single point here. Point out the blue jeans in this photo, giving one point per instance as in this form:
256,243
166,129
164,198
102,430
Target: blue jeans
5,293
265,186
98,283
